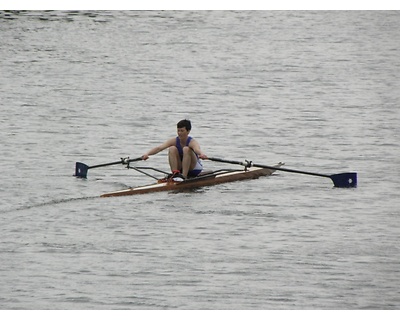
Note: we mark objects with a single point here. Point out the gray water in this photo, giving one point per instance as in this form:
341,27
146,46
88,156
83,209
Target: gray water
316,90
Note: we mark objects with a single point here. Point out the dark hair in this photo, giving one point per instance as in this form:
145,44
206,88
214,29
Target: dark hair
185,124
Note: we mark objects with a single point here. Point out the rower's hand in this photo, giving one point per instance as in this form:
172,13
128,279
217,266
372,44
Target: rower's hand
203,156
145,157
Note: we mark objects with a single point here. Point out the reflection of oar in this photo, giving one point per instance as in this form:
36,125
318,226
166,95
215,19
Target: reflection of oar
340,180
81,168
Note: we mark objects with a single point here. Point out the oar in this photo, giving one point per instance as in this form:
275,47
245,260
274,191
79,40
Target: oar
340,180
81,168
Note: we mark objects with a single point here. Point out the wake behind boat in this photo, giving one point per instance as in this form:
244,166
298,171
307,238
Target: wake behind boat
206,179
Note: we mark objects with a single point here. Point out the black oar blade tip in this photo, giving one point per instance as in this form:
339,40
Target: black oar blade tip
345,180
81,170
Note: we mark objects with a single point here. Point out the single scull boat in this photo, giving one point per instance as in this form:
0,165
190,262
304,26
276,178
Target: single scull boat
250,171
206,179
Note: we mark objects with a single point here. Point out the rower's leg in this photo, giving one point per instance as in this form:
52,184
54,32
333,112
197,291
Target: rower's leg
189,161
174,159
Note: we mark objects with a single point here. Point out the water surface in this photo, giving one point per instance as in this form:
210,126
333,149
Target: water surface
316,90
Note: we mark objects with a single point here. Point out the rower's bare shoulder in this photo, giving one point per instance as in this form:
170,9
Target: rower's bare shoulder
193,142
171,142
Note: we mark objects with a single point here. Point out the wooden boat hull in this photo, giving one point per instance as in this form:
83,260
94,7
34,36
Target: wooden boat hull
201,181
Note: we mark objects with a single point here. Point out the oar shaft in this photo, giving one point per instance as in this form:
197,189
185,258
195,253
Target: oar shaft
123,161
81,169
226,161
105,164
291,170
250,164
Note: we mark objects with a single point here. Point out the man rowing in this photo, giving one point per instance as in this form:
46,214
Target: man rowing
184,153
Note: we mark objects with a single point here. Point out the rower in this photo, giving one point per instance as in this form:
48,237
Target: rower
184,153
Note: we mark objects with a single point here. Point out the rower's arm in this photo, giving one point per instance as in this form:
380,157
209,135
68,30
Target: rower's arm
159,148
196,148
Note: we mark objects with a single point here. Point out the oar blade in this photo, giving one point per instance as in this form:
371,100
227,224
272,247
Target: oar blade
81,170
345,180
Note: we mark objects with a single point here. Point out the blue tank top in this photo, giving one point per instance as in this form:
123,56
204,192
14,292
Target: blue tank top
178,145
